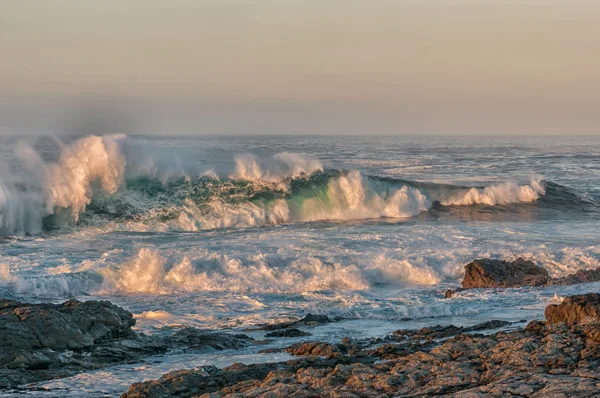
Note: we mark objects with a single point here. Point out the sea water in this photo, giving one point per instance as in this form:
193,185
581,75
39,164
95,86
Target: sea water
232,232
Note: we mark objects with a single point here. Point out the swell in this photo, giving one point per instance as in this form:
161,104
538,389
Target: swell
117,182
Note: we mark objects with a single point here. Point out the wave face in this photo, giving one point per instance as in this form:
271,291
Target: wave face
118,182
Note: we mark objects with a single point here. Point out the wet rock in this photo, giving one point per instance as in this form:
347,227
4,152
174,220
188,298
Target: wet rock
542,360
44,341
439,331
489,273
581,276
291,332
315,348
312,318
41,341
582,308
207,341
501,274
308,320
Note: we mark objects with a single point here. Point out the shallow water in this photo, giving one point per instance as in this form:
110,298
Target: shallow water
232,232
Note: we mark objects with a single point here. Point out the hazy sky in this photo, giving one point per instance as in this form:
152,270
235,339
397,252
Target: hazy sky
301,66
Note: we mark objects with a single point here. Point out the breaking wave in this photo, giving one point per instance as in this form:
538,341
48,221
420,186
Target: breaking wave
117,181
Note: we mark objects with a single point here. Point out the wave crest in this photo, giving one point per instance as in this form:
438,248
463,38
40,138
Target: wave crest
499,194
119,183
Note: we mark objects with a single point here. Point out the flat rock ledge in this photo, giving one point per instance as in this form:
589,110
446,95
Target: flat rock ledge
490,273
556,358
47,341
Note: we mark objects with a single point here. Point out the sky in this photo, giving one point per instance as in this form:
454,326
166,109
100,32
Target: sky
413,67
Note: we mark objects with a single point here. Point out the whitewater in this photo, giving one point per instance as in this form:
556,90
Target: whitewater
231,232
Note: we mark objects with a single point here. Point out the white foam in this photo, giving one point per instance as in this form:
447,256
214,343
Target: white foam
274,169
499,194
355,197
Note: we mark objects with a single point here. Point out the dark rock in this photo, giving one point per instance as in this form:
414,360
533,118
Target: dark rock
502,274
488,273
71,325
440,332
314,318
210,341
493,324
291,332
42,341
308,320
581,276
535,326
582,308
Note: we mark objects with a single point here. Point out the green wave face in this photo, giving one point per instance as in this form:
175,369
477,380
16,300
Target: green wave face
210,202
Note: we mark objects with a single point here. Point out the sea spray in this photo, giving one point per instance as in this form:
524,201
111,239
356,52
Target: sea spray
118,182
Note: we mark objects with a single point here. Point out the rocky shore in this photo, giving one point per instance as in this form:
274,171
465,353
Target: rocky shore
558,357
47,341
555,358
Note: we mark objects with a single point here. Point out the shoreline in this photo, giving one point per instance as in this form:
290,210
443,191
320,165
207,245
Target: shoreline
55,341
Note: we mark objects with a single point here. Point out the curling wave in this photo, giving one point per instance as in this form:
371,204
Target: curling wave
116,181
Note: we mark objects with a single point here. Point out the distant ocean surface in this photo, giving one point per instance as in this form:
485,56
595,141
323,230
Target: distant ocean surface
230,232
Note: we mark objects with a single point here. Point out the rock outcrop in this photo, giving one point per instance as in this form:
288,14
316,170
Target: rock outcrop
204,341
41,341
542,360
584,308
45,341
490,273
499,273
290,332
581,276
308,321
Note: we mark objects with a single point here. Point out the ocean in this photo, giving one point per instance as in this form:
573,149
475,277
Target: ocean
227,233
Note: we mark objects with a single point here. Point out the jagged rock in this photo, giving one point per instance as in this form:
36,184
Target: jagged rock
72,325
308,320
499,273
581,276
42,341
488,273
211,341
314,348
575,309
313,318
439,331
539,361
291,332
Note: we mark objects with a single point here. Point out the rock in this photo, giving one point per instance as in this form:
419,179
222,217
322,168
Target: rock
72,325
207,341
308,320
42,341
312,318
582,308
501,274
489,273
314,348
439,331
291,332
581,276
45,341
540,361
